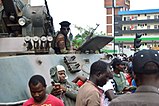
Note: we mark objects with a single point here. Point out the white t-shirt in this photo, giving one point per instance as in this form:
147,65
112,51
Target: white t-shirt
107,87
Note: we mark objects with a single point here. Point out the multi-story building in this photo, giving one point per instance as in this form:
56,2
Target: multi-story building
112,8
130,23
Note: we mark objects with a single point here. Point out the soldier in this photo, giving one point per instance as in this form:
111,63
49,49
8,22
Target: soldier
61,87
62,43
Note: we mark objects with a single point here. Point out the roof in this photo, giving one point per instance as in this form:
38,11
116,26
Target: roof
130,12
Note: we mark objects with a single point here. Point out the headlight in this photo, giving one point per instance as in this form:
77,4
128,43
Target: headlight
36,38
43,38
22,21
50,38
27,38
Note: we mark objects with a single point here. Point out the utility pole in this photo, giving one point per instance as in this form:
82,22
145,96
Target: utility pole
113,21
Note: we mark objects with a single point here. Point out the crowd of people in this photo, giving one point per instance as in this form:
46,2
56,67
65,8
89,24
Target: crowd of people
125,81
122,82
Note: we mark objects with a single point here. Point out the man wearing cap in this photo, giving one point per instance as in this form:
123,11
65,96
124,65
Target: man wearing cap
61,87
61,42
122,84
146,75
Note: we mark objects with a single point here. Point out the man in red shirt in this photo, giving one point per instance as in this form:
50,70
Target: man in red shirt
37,87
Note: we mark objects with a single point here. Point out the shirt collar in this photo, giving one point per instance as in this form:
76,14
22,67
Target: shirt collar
147,88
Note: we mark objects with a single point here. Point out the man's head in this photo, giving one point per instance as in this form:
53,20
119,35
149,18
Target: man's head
61,72
65,27
37,87
100,73
118,64
146,65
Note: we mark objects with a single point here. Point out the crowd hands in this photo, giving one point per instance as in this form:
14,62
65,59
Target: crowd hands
118,84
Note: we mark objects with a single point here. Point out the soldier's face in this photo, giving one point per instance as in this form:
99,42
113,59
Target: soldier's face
61,75
65,30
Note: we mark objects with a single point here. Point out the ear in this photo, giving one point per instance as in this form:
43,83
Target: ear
98,74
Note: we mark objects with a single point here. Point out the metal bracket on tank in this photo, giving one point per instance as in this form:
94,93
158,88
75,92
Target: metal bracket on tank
72,64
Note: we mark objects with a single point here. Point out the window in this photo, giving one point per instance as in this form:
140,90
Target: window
124,28
124,18
155,16
135,27
128,27
155,26
148,26
135,17
148,17
128,18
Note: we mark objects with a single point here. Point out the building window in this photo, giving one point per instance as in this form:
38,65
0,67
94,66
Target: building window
135,17
128,27
124,28
148,17
155,16
128,18
155,26
135,27
148,26
124,18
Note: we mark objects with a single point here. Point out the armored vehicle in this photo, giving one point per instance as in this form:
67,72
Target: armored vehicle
26,35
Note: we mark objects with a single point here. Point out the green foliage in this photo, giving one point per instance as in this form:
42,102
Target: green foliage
80,38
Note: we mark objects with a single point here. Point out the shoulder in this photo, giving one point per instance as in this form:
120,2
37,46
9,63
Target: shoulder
29,102
89,89
56,100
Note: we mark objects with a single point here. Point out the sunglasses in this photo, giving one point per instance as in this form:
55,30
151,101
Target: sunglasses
65,29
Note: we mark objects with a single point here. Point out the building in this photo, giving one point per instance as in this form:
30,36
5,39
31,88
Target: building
144,22
112,8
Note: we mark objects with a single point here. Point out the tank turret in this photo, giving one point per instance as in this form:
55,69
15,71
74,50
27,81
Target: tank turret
22,21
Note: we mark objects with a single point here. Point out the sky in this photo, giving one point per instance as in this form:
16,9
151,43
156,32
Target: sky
86,13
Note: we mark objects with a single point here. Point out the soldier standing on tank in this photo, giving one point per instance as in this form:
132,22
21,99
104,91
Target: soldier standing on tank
61,41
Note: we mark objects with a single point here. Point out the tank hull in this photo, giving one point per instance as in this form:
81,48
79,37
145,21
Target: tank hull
17,70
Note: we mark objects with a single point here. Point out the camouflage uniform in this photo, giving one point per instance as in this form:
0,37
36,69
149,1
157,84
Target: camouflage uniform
69,97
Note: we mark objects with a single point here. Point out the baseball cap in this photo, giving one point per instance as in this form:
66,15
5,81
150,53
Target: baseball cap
116,61
143,57
65,24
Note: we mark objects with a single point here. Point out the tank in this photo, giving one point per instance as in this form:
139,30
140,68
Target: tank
26,36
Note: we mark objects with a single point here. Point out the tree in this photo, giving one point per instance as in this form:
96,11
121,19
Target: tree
80,38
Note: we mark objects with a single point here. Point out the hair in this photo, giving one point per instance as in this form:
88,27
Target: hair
150,69
98,66
37,79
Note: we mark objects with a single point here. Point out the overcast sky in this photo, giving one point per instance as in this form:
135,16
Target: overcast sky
86,12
